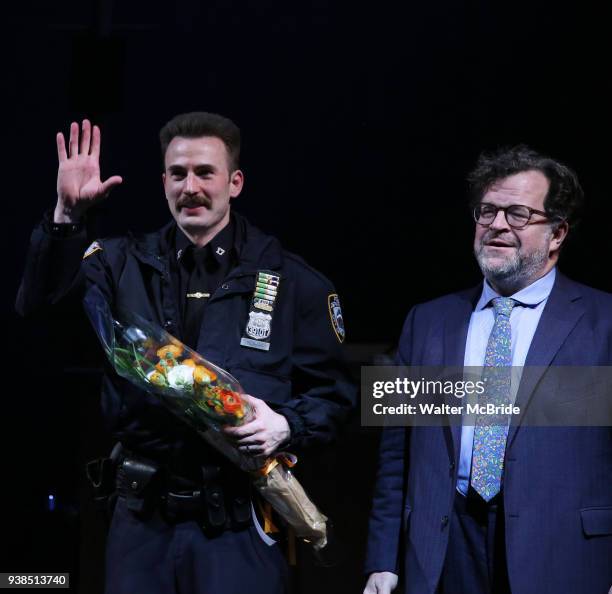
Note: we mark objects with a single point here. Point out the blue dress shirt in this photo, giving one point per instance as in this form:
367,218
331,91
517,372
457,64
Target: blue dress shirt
523,322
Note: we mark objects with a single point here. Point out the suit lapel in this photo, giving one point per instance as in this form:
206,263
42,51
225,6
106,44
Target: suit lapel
456,328
562,312
455,333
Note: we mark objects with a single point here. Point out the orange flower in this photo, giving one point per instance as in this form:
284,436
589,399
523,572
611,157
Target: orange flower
189,362
231,402
202,375
170,351
164,365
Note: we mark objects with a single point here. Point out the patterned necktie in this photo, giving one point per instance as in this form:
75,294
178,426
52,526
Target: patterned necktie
490,432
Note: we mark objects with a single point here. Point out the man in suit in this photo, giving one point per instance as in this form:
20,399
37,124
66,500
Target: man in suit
493,510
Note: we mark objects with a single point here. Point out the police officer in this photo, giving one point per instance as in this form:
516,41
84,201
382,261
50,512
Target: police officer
185,519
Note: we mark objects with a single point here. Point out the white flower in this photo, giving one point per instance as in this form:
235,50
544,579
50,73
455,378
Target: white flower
181,377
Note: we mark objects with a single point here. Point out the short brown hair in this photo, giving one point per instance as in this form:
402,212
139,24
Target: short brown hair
201,123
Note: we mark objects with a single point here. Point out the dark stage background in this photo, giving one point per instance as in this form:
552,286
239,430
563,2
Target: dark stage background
359,124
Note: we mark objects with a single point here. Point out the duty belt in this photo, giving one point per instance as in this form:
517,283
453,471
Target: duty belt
146,486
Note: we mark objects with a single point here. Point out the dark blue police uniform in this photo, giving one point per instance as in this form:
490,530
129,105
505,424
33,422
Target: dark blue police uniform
151,547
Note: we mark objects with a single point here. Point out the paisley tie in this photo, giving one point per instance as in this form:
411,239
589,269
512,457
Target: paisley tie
491,431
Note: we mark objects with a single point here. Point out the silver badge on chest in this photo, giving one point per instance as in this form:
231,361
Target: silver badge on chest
259,326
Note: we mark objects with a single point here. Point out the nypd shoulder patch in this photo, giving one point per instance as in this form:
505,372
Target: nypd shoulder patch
335,314
94,247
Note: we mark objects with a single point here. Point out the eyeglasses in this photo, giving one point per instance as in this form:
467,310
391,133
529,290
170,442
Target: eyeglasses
518,216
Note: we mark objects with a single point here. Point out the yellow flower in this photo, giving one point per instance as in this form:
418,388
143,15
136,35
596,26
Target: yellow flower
170,351
157,378
202,375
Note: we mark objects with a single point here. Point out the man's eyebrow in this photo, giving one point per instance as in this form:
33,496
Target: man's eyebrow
205,167
175,168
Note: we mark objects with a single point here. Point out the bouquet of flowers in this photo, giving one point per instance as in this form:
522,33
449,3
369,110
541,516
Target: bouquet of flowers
207,398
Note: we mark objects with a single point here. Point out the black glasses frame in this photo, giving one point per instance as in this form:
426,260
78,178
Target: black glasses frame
505,209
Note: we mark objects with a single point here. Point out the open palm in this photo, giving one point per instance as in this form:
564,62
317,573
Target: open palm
79,185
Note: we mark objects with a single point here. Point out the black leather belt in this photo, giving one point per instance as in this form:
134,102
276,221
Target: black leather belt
215,503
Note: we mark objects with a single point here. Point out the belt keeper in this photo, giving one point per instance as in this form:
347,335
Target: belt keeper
241,510
215,506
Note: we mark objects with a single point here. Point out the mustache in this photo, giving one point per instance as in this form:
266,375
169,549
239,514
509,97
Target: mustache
193,202
503,237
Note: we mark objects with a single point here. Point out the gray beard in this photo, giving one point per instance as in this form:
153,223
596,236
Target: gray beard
515,273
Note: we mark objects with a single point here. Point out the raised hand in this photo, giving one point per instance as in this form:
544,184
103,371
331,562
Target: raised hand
79,186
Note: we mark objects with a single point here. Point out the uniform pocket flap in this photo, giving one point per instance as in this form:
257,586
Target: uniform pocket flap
596,521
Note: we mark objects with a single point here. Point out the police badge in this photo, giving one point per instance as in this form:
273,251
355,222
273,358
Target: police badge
259,327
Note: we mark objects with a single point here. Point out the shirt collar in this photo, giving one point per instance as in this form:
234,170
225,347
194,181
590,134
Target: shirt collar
530,296
220,246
